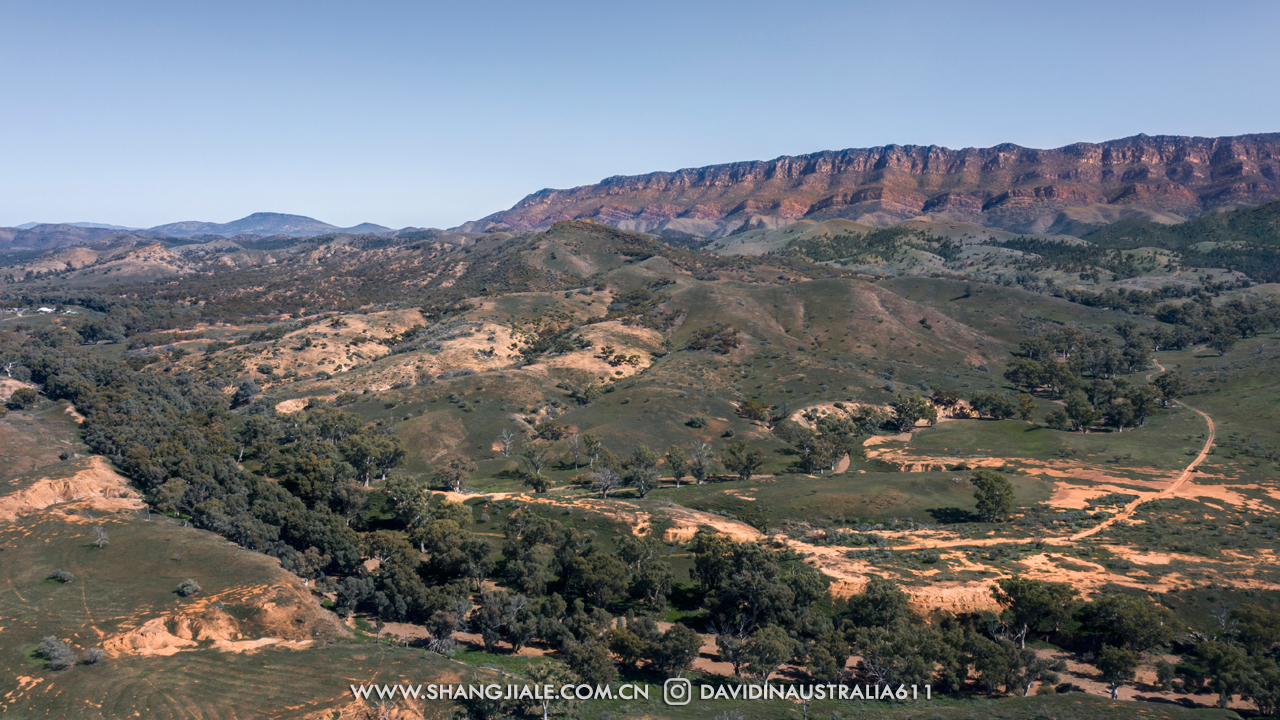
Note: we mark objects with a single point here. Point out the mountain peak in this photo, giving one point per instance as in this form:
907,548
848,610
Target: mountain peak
259,223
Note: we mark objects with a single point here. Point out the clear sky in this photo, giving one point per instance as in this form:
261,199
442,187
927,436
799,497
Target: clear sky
431,114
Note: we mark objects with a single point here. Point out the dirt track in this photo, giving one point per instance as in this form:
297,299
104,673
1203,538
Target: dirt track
1173,487
1125,513
1128,509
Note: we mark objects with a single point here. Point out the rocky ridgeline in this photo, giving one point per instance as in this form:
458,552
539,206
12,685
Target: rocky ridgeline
1006,186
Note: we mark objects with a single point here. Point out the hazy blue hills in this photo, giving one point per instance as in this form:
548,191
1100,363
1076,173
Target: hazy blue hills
88,225
40,236
260,223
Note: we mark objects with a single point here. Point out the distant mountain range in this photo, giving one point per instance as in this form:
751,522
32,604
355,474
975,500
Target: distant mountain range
263,223
1074,188
93,226
40,236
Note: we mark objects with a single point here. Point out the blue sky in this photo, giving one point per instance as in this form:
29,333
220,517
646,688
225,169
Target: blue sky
431,114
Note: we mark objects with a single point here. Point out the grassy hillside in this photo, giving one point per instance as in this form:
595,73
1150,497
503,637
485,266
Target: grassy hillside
1246,240
1256,225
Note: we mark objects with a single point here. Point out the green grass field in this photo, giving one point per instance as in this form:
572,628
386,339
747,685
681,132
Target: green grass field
1157,446
871,497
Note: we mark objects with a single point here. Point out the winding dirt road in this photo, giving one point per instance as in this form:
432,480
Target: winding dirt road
1173,487
1125,513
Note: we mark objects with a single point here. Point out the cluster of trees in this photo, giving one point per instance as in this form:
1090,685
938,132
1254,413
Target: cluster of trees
1195,321
643,306
127,314
721,339
878,246
319,452
1083,370
1117,631
769,609
59,655
563,587
1059,357
1075,258
1144,301
21,399
1240,658
1002,406
836,434
549,335
768,616
640,470
908,410
833,436
610,354
607,471
431,565
905,412
1242,240
1217,326
765,603
1117,404
171,433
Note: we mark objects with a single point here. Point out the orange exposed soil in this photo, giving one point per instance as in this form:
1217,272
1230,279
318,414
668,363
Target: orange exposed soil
630,341
687,523
828,408
9,385
881,439
851,574
284,615
98,485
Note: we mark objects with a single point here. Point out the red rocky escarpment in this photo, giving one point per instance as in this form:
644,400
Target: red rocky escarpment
1007,186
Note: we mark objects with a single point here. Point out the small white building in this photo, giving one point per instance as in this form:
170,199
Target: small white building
44,310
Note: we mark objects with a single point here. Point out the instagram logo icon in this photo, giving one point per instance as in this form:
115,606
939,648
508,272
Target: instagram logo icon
677,691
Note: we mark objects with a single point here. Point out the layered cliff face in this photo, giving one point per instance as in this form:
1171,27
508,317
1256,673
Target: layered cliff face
1007,186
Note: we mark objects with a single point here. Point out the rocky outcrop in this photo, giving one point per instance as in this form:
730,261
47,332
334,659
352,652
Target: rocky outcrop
1007,186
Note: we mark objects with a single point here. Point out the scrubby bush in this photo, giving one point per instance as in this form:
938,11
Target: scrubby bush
21,399
59,654
245,394
188,587
62,576
720,338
